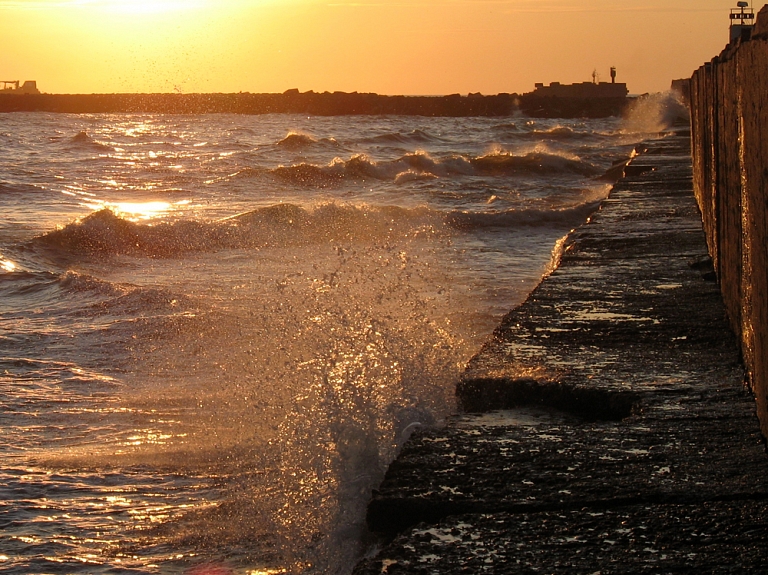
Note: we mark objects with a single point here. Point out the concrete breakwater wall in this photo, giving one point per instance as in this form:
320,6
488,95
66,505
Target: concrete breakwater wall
729,125
289,102
319,104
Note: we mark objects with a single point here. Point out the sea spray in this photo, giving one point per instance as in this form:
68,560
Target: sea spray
654,113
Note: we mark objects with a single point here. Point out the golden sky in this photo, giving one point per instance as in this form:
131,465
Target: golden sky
384,46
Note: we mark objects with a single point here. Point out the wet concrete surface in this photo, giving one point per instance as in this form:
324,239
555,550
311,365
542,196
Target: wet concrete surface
606,426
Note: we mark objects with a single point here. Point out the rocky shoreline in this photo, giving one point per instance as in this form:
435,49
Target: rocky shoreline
606,426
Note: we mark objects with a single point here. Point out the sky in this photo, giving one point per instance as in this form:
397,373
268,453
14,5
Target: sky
425,47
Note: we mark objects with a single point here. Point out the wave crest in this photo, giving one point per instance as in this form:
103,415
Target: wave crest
84,140
360,167
515,218
413,176
296,141
501,163
105,233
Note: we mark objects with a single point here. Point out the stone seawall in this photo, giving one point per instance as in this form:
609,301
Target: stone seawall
729,117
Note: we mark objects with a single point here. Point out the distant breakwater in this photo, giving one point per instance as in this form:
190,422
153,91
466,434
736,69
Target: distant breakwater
729,123
318,104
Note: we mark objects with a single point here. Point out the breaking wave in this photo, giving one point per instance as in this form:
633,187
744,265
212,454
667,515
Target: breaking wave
414,176
503,163
654,113
106,233
497,163
296,141
515,218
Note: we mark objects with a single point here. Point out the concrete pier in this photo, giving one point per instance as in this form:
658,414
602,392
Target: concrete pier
606,426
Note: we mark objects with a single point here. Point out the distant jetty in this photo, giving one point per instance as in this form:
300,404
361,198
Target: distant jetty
318,104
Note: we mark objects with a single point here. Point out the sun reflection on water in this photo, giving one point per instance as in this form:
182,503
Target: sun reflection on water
138,211
7,265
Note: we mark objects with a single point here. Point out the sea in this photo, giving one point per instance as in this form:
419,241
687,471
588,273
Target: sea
216,331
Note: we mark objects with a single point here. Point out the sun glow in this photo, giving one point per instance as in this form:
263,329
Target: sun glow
141,6
385,46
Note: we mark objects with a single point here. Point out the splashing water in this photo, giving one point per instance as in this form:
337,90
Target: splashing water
654,113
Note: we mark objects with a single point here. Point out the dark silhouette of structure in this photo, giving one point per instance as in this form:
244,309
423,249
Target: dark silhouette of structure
742,22
593,89
12,87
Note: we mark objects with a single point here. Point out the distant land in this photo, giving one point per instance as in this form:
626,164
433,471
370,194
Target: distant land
320,104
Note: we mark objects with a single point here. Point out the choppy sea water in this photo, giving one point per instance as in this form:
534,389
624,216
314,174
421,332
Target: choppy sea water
216,331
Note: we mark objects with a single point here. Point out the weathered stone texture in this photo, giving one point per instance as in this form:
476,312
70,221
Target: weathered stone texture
729,113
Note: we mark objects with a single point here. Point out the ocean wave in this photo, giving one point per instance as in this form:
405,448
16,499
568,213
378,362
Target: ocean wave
84,140
78,294
413,137
413,176
105,233
75,282
305,174
498,163
559,133
6,188
358,167
296,141
654,113
106,297
501,163
25,282
81,137
542,133
570,216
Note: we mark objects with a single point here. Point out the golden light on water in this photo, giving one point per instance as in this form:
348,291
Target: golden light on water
7,265
137,211
141,210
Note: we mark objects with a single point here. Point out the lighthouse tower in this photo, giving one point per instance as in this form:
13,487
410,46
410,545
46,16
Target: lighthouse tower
742,21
